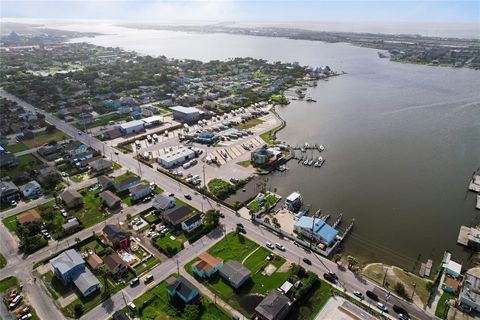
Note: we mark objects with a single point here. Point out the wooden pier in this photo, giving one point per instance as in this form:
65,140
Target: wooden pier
475,184
345,233
337,222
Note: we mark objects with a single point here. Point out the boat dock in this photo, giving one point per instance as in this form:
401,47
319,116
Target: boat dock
345,233
426,268
474,183
469,237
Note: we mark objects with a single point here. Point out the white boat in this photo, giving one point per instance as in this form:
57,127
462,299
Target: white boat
303,150
310,162
321,148
305,163
306,145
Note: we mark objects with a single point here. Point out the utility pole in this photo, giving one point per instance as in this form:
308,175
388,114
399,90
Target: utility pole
204,181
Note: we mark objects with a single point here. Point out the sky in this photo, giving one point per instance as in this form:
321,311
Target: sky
246,10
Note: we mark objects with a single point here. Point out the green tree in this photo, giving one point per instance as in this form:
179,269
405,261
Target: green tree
191,312
352,262
267,220
50,128
78,309
336,257
105,273
212,217
400,289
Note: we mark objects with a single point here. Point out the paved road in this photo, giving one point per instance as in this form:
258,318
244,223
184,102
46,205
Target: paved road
320,265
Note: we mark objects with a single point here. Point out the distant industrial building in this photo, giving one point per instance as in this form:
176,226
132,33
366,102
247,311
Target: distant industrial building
134,126
317,229
177,157
185,114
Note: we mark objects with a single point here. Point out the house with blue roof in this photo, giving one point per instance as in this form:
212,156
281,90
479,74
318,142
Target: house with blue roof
181,288
316,229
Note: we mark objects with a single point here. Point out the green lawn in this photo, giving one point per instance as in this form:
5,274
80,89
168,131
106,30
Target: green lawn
245,163
7,283
40,139
11,223
220,188
163,243
312,303
26,163
155,304
56,288
103,120
122,177
147,265
89,214
237,247
249,124
441,306
3,261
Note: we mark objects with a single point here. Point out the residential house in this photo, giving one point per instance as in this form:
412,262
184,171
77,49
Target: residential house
71,198
110,199
46,173
316,229
120,315
470,293
453,268
181,288
48,150
94,261
162,202
126,183
100,166
192,223
8,160
71,225
30,189
29,217
84,119
175,216
206,265
275,306
140,191
9,191
69,267
234,273
115,264
116,237
105,181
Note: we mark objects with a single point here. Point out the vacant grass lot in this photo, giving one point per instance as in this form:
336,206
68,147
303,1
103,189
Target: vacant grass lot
155,304
312,303
237,247
7,283
103,120
26,163
40,139
249,124
441,306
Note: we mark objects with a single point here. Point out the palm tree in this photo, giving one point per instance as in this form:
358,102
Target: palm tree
352,261
267,220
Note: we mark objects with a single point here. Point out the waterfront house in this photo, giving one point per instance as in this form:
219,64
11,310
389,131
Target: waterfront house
71,198
294,201
116,237
469,296
275,306
317,229
206,265
115,264
181,288
262,157
109,199
453,268
30,189
234,273
162,202
140,191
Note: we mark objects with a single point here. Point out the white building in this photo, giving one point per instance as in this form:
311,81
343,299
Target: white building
176,157
470,293
134,126
152,121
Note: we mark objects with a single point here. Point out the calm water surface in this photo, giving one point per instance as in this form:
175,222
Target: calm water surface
402,140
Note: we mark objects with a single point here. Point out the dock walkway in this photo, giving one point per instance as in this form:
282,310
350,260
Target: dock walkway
475,184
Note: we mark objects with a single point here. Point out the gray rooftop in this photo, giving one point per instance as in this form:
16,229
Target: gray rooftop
67,260
272,305
85,280
234,272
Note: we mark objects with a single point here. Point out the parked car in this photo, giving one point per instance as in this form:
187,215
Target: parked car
401,316
270,245
382,307
187,196
358,294
399,309
307,261
15,302
372,295
334,275
134,282
329,278
171,194
148,278
270,257
221,215
132,306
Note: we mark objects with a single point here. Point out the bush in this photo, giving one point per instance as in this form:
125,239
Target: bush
78,309
400,289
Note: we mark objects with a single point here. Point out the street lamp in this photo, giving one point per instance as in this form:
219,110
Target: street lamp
413,292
